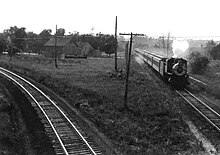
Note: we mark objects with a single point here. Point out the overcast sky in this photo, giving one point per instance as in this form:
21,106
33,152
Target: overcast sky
151,17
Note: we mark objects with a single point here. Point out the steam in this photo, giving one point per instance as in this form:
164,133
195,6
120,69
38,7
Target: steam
180,48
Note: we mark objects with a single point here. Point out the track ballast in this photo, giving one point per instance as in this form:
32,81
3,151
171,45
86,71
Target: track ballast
206,110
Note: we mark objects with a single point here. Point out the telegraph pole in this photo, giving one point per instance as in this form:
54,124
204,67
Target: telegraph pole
168,43
116,44
10,39
55,48
128,67
11,50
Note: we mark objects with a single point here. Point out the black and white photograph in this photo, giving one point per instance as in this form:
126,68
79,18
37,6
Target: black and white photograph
110,77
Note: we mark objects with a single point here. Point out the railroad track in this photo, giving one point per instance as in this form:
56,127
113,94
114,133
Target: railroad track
207,110
65,135
194,79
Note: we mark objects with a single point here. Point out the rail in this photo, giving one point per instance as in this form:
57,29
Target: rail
204,109
197,80
25,85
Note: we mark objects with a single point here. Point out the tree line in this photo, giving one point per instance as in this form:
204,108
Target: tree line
213,50
22,41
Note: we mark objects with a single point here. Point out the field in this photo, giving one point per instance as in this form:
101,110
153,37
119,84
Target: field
153,122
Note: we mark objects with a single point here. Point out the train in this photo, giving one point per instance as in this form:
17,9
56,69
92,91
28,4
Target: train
173,70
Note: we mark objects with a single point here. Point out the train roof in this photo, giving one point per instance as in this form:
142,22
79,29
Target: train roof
151,53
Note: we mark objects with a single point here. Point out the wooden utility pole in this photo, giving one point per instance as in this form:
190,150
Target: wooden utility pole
11,50
128,67
126,51
163,41
116,44
55,48
168,43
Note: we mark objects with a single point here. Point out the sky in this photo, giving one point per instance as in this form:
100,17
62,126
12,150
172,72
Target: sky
150,17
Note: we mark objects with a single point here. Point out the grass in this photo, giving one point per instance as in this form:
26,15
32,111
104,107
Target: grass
153,122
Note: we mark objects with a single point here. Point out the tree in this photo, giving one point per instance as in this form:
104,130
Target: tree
16,39
210,43
19,40
215,52
102,42
209,47
3,44
45,33
31,43
17,36
162,40
43,37
60,32
10,35
198,62
109,45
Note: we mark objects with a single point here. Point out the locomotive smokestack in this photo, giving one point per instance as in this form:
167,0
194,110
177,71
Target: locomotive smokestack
180,48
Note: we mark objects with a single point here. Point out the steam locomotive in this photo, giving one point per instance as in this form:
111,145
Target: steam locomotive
174,70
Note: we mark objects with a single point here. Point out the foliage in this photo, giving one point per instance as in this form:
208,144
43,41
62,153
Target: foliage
106,43
210,44
215,52
44,36
209,47
24,41
103,42
198,62
31,43
3,44
19,41
86,38
60,32
45,33
17,37
36,42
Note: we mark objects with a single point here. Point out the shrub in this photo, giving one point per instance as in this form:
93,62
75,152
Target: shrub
198,62
215,52
214,89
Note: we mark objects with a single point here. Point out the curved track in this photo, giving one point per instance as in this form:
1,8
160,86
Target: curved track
207,110
66,137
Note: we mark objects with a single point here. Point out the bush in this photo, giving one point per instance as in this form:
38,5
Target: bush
215,52
198,62
214,89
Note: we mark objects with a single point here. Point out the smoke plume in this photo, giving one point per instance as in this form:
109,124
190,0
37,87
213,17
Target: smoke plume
180,48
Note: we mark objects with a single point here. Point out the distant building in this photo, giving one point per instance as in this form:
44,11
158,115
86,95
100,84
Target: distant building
67,46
